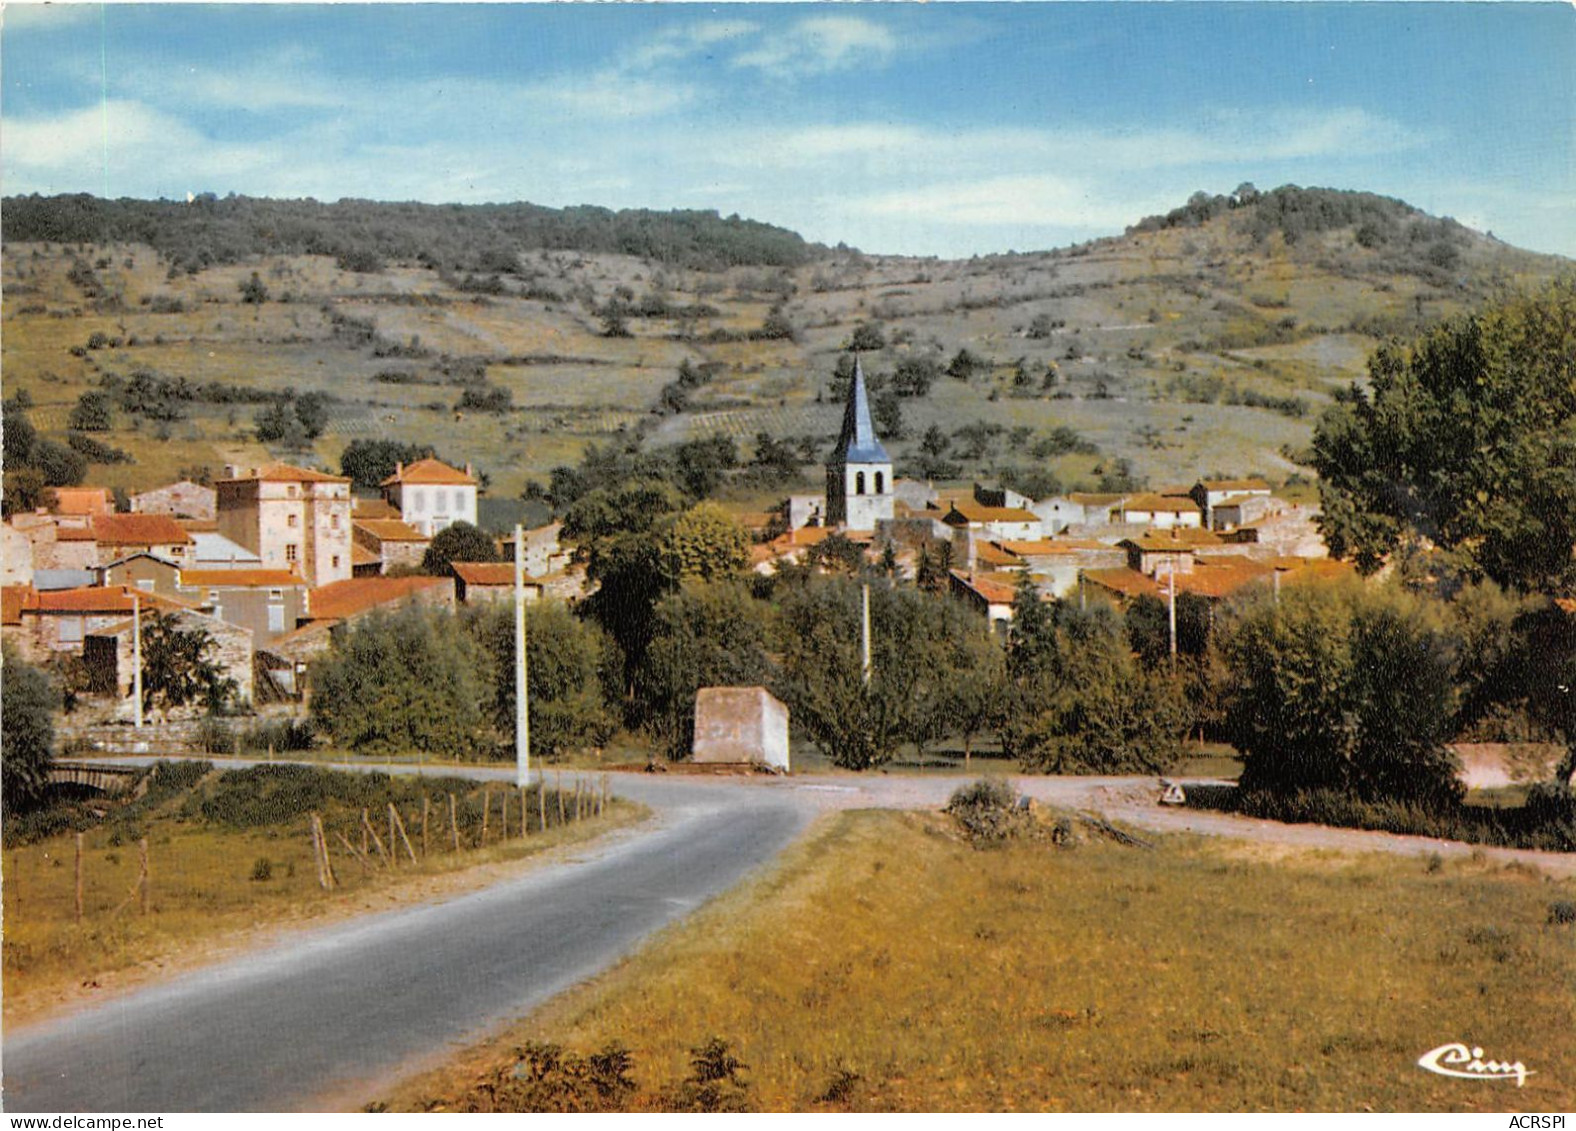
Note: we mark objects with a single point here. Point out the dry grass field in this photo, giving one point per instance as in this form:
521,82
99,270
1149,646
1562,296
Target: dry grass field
216,889
886,965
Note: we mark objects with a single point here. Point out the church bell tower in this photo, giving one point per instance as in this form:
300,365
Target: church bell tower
859,472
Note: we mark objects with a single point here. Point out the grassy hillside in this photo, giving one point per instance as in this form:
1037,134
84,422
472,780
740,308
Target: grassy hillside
1205,341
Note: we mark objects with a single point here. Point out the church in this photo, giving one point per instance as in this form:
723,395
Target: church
860,492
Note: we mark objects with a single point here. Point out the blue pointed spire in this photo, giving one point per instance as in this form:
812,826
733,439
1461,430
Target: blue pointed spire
857,443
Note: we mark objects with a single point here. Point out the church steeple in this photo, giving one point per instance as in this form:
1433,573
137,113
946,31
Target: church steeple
857,443
859,471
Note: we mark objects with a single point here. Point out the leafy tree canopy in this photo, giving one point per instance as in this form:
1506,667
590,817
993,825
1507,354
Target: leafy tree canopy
1466,438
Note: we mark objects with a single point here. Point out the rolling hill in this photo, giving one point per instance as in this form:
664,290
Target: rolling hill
1203,341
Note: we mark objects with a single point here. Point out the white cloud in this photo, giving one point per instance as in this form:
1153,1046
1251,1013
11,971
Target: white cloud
819,45
112,149
1024,201
48,17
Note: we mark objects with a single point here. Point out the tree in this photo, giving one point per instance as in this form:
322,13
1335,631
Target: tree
28,701
253,290
1340,688
866,336
706,544
776,326
613,323
60,465
457,542
369,462
1079,701
19,435
916,640
1466,440
93,412
278,424
400,682
311,409
618,530
180,666
564,673
706,635
914,376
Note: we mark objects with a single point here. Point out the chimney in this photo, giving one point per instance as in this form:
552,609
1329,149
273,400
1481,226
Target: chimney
399,468
469,474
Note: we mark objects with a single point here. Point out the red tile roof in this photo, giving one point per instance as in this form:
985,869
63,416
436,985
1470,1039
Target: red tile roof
343,599
241,578
487,573
1123,582
1047,547
974,512
13,599
360,555
429,471
75,534
390,530
363,509
997,589
286,473
83,500
99,599
1152,502
138,530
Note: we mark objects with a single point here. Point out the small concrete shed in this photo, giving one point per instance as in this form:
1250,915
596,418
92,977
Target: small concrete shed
736,725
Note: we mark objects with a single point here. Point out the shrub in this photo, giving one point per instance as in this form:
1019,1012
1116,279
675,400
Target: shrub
262,870
1561,912
987,811
714,1083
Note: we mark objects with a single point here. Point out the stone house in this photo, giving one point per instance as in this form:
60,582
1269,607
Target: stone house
1212,493
479,582
110,656
293,518
122,535
1159,511
179,500
16,556
391,541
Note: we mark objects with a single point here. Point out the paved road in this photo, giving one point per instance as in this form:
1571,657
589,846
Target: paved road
343,1005
335,1008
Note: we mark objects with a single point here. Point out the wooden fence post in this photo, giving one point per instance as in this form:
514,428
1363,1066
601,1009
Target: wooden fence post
79,877
331,881
146,878
559,789
503,814
355,854
399,823
486,809
426,804
366,824
454,823
525,812
541,804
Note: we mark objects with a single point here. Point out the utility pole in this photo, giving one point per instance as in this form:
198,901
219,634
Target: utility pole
864,635
136,656
522,710
1171,578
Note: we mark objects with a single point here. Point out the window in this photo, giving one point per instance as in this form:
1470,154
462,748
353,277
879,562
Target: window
290,491
276,618
290,552
880,484
859,483
336,561
418,500
291,521
71,630
145,584
333,522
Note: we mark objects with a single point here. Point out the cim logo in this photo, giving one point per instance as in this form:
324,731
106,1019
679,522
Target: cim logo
1465,1063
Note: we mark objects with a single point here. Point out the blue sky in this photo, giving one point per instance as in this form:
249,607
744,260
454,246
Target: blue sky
941,128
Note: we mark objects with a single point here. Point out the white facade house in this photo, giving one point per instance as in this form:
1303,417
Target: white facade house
431,495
